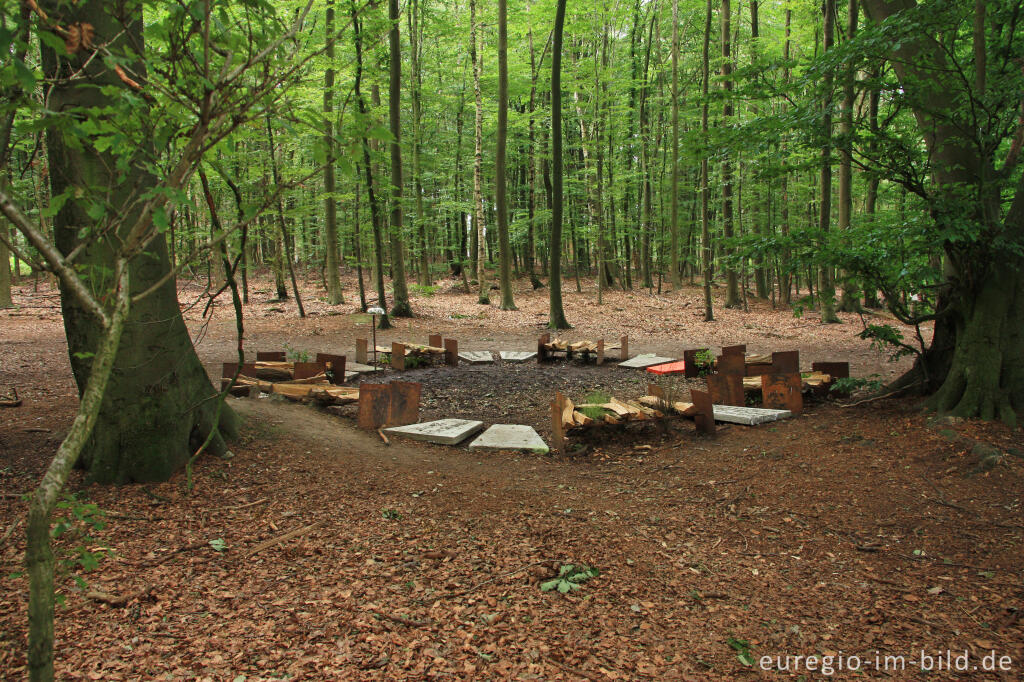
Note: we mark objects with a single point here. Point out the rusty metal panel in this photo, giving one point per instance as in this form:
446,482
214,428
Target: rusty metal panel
726,389
451,352
732,364
836,370
362,351
542,351
271,356
600,352
557,429
758,368
690,358
735,350
782,392
397,356
705,417
305,370
435,340
786,362
337,366
624,347
405,403
248,370
374,401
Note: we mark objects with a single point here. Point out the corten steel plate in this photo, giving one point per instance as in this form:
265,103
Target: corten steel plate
337,365
304,370
732,364
248,370
734,350
451,352
434,340
705,417
271,356
726,389
786,362
690,358
397,356
782,392
393,404
836,370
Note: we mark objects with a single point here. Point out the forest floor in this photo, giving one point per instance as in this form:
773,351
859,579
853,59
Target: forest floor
318,552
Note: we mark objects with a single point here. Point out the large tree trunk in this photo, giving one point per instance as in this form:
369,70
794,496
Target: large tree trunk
334,292
156,407
507,300
976,359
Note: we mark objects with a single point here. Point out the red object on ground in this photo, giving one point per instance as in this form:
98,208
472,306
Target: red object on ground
677,367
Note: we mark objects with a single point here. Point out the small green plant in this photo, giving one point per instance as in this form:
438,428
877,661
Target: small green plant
295,355
218,544
391,514
425,290
848,385
742,646
414,361
594,399
570,578
74,520
705,360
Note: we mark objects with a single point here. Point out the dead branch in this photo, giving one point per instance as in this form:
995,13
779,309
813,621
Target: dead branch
118,600
298,532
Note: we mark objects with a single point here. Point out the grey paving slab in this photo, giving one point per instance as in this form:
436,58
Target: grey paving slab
517,355
646,360
476,357
359,368
510,437
443,431
748,415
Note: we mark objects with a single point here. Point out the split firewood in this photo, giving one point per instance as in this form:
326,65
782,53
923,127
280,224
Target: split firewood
384,438
685,409
274,371
567,410
581,419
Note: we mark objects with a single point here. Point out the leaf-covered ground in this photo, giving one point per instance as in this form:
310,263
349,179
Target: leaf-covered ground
864,531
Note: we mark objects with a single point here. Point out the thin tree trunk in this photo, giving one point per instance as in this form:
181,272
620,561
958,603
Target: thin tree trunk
507,300
475,55
334,292
401,292
848,302
280,219
556,315
826,288
705,217
732,294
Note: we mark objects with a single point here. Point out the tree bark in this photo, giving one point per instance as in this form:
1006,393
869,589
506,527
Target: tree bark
334,292
401,308
501,204
556,315
826,287
732,292
157,400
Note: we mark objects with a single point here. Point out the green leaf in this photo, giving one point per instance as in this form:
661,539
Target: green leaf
25,76
218,544
549,585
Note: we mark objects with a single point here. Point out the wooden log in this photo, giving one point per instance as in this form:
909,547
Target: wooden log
581,419
567,410
659,403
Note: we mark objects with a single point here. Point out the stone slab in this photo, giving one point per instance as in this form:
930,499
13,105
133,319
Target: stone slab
476,357
517,355
749,416
442,431
642,361
359,368
510,437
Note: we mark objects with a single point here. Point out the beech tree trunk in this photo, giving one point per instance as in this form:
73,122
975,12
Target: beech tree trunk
156,406
975,364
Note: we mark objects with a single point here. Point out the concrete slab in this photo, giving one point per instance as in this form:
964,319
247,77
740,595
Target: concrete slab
517,355
442,431
359,368
646,360
510,437
748,416
476,357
